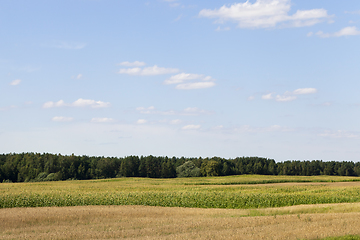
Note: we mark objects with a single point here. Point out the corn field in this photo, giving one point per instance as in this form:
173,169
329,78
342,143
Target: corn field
173,193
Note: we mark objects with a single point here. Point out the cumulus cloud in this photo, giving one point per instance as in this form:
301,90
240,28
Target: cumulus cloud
191,127
347,31
265,14
196,85
62,119
285,98
141,121
186,112
148,71
102,120
289,96
78,103
305,91
50,104
132,64
267,96
197,81
181,77
15,82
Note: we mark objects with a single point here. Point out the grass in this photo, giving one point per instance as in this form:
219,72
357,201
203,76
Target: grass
347,237
211,192
144,222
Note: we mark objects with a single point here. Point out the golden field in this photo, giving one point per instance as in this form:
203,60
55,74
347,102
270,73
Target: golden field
232,207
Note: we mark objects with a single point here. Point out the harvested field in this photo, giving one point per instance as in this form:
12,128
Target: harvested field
145,222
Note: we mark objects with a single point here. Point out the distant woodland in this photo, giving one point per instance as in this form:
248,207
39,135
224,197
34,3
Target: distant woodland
25,167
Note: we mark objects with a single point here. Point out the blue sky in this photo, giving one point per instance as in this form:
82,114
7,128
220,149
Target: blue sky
270,78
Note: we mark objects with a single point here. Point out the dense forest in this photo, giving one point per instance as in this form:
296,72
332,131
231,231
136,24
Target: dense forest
26,167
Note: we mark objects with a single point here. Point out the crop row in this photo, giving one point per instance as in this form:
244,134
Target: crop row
177,199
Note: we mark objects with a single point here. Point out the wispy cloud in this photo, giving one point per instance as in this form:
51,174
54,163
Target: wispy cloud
197,81
62,119
265,14
353,12
222,29
141,121
102,120
289,96
148,71
267,96
273,128
347,31
79,76
339,134
78,103
193,111
191,127
132,64
15,82
301,91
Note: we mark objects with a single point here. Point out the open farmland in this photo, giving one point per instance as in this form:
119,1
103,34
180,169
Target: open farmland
283,207
216,192
145,222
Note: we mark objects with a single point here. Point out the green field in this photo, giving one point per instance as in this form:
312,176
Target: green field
236,192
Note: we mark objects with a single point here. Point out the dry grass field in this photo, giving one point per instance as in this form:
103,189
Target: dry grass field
146,222
234,207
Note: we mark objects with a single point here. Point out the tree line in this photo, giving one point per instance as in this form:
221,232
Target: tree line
25,167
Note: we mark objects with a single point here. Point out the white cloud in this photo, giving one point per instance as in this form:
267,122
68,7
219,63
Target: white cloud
191,127
79,76
50,104
288,96
267,96
15,82
148,71
78,103
339,134
90,103
62,119
179,79
251,98
175,121
285,98
195,85
265,14
132,64
305,91
347,31
102,120
186,112
141,121
222,29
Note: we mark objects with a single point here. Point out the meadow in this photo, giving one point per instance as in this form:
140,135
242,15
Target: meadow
231,207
